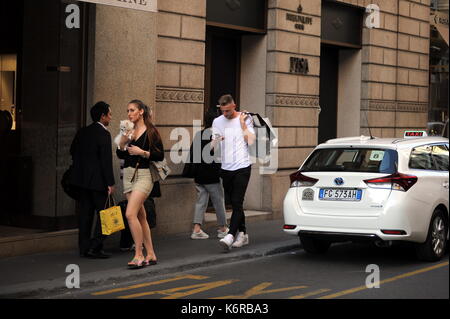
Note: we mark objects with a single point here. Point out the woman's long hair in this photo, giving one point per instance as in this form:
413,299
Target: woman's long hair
154,138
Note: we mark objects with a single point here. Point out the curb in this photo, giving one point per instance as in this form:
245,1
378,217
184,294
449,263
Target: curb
49,288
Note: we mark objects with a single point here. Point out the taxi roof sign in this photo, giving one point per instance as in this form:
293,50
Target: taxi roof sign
415,134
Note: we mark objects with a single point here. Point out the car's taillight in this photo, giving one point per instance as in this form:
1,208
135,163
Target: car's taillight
393,232
300,180
397,181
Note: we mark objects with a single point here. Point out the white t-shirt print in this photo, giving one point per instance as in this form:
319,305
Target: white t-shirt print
234,148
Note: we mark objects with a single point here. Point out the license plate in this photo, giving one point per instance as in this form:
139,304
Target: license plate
340,194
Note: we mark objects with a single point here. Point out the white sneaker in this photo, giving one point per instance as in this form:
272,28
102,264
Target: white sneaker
222,234
200,235
227,241
241,240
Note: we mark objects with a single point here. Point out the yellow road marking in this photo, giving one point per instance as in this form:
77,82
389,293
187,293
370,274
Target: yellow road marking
309,294
259,290
174,293
409,274
153,283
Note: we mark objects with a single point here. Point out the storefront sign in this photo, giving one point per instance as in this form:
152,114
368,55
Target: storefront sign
299,20
144,5
299,65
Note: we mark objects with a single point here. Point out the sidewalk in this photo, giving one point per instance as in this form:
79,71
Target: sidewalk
40,275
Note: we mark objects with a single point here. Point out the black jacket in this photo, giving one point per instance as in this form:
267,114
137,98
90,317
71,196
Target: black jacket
205,173
91,152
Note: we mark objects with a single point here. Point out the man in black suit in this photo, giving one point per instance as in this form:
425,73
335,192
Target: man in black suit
93,174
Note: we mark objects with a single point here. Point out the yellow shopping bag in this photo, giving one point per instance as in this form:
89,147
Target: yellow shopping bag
111,219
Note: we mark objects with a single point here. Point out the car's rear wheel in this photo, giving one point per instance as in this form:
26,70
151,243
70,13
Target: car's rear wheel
434,247
314,245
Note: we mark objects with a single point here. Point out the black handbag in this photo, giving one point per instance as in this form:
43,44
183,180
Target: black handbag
71,190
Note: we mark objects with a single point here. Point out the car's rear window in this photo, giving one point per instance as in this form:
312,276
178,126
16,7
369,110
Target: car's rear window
368,160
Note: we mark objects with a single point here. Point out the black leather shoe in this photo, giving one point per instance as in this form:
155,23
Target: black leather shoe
97,254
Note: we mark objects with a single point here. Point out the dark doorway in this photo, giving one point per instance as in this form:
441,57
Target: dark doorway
341,28
223,58
50,91
329,68
223,51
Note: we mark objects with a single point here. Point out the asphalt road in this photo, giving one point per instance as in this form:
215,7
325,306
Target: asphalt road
343,273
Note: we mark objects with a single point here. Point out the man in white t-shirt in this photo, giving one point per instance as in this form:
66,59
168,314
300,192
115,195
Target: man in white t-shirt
234,130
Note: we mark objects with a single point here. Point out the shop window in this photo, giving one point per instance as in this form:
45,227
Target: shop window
8,76
439,62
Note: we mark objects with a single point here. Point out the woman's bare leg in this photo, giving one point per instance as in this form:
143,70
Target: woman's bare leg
135,202
147,235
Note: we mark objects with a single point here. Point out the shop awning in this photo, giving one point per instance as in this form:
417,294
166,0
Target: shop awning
440,21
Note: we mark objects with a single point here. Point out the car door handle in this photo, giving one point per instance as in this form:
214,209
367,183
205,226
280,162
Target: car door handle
445,184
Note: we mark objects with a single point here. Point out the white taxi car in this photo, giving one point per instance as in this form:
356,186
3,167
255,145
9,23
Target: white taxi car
374,189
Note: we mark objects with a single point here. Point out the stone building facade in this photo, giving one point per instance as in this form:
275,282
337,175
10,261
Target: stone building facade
387,84
164,58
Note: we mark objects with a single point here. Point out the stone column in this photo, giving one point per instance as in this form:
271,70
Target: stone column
179,99
395,69
292,100
125,54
